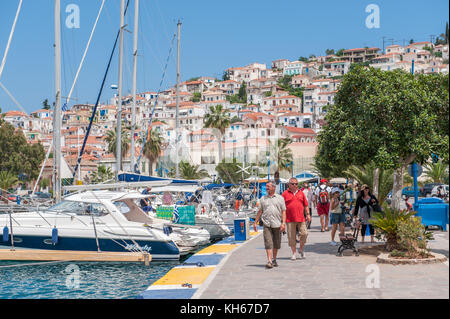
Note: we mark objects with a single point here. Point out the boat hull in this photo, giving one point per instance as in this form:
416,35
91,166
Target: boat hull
159,250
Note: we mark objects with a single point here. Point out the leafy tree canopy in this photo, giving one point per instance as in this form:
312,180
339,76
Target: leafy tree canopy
16,154
392,118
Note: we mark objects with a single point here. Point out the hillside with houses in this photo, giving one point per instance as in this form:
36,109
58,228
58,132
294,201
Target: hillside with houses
287,99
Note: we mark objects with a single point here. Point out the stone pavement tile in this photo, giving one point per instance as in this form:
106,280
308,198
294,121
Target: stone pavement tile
323,275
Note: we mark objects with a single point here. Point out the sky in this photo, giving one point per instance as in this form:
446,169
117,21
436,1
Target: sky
215,35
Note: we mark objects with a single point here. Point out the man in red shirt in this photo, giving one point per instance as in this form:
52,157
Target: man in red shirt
296,210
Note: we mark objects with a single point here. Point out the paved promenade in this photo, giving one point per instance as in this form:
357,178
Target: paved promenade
324,275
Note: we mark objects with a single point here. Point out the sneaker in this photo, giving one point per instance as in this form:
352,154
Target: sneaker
302,254
333,243
274,263
293,257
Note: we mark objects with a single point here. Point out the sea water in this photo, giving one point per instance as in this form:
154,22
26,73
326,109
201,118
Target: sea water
78,280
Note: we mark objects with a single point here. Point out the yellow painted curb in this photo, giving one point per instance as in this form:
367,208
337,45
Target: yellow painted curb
179,276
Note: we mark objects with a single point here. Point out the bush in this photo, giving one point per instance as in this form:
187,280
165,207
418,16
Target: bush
412,237
386,224
404,233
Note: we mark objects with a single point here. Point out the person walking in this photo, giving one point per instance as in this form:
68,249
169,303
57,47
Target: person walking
296,210
307,191
337,216
272,213
364,207
322,198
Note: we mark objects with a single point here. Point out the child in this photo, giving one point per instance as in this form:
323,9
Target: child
337,216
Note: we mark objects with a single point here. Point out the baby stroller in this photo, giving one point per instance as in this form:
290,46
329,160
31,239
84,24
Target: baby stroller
348,240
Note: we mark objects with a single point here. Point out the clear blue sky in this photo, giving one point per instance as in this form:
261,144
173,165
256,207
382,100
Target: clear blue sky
215,35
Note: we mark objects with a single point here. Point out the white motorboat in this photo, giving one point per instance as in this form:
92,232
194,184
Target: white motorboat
91,221
206,218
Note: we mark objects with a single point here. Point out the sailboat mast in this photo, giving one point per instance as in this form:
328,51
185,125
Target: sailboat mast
177,119
119,94
57,113
133,110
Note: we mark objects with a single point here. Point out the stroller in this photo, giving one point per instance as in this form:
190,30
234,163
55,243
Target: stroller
348,240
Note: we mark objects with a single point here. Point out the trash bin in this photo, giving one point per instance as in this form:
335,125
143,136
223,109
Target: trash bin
241,229
433,211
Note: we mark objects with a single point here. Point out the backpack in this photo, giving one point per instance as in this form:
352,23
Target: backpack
323,195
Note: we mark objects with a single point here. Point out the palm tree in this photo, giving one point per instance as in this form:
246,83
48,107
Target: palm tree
111,140
7,179
437,172
102,174
219,119
365,175
283,153
152,148
188,171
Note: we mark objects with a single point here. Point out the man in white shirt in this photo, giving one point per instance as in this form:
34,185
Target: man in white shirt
310,198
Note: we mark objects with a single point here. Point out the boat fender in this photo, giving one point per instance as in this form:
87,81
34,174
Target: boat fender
5,234
55,236
167,230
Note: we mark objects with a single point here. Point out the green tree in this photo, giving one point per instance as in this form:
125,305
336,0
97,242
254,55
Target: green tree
102,175
189,171
366,175
1,116
229,172
329,51
218,118
243,93
7,180
16,155
340,52
235,119
152,148
303,59
225,76
45,105
111,141
196,97
283,154
391,118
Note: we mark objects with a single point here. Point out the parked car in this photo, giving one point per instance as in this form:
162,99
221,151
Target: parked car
434,191
427,188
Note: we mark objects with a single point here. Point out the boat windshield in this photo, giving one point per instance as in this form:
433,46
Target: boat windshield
79,208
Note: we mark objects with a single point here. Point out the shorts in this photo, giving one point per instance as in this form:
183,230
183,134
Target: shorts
337,218
292,233
323,209
272,238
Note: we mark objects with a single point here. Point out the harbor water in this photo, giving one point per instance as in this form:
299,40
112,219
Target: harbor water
78,280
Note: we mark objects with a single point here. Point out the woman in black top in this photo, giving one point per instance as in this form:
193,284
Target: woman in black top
366,203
